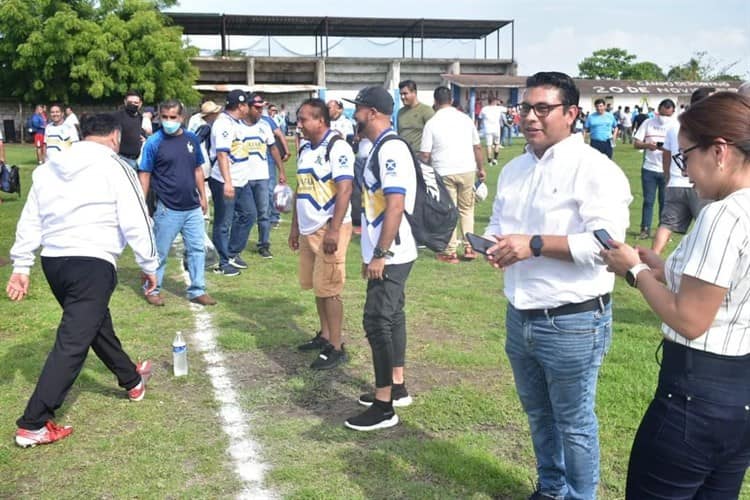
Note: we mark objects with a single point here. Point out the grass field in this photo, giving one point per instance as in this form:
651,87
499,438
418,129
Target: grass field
464,437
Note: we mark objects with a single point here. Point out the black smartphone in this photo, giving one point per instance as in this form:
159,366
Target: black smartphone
479,243
659,145
603,237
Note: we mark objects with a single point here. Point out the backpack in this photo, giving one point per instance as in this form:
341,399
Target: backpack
435,216
10,179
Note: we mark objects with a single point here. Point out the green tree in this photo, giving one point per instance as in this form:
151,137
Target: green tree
643,71
84,50
700,67
606,64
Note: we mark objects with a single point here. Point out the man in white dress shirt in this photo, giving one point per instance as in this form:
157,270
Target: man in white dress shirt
549,202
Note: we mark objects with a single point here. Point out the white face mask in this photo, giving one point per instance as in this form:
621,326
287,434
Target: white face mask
665,120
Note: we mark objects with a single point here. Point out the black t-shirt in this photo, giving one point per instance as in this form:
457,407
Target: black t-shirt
130,144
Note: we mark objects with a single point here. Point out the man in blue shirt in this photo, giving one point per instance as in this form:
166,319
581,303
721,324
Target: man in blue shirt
602,126
273,214
171,165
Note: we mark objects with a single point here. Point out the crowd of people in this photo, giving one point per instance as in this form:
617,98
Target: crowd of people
120,186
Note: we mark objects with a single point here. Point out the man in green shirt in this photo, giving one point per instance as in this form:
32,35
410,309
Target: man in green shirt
413,116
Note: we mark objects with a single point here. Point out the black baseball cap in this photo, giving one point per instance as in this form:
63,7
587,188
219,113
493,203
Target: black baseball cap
374,97
236,97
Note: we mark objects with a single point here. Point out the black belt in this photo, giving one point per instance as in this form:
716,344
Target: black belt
589,305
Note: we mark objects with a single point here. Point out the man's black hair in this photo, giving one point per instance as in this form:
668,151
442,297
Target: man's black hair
600,101
666,103
409,84
569,93
99,124
133,93
172,103
320,109
442,96
701,94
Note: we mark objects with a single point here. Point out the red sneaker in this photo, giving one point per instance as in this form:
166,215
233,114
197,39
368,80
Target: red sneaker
139,391
50,433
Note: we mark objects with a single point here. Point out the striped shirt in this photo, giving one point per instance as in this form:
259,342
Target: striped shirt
716,251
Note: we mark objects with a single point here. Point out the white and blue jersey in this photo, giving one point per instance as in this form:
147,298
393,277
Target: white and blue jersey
316,181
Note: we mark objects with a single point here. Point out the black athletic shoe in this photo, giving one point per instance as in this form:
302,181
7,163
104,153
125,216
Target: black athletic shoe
317,343
265,253
329,358
238,262
399,396
378,416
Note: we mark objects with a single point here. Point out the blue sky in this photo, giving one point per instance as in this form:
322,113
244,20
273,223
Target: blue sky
550,35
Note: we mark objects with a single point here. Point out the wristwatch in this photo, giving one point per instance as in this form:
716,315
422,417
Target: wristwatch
536,245
632,275
379,253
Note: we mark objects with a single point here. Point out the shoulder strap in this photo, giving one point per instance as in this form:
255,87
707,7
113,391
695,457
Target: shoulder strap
335,137
376,150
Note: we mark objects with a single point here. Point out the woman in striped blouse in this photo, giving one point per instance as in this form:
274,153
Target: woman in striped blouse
694,440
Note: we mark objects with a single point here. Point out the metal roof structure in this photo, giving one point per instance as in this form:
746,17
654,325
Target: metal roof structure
324,27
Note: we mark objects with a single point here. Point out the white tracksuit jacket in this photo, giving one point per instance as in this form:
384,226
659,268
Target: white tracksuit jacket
85,203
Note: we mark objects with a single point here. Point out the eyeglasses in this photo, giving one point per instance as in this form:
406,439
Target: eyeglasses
541,109
680,159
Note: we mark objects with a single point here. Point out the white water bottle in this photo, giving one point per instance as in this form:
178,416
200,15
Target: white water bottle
179,355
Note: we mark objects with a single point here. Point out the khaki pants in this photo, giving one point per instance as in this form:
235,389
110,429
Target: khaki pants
461,189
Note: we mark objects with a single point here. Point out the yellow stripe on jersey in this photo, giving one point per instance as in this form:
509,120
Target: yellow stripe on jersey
374,205
242,149
319,194
58,142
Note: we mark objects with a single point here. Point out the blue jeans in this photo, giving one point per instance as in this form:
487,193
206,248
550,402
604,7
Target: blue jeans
505,136
555,365
273,215
257,194
167,224
650,182
233,219
604,147
694,440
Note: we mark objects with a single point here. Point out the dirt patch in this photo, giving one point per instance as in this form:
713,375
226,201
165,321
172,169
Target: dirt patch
331,395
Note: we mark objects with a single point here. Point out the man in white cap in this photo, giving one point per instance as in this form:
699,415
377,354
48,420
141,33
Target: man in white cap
209,109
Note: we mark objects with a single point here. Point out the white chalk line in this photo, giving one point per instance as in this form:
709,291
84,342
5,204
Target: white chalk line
243,449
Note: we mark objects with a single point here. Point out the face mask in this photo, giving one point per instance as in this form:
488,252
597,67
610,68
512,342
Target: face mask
131,108
665,119
169,127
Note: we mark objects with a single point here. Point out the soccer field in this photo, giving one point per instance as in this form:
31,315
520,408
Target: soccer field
465,436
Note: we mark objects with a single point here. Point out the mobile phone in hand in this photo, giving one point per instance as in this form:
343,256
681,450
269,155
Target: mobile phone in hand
480,244
603,237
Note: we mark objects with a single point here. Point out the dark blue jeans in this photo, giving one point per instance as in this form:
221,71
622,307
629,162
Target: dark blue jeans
694,440
651,182
232,220
604,147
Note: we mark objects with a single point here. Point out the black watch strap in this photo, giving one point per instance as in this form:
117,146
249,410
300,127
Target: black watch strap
536,245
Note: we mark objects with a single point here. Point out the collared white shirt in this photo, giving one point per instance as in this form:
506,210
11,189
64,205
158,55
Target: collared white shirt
450,136
571,190
716,251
